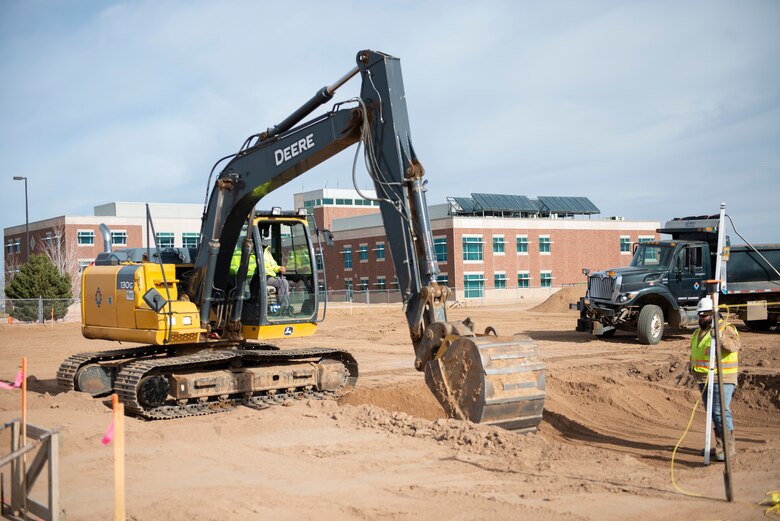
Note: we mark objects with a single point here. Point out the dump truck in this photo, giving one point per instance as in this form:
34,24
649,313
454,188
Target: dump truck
665,281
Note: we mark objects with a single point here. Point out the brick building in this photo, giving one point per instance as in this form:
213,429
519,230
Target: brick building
493,253
72,242
490,247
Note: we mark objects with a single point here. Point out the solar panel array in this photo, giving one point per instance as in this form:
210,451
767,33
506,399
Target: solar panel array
568,205
480,203
466,204
504,203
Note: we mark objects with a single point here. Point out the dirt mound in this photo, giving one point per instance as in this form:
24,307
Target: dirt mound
412,398
560,300
463,435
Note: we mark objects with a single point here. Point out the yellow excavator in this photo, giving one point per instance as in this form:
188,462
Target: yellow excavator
205,316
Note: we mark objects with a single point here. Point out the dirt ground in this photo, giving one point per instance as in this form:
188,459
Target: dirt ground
613,414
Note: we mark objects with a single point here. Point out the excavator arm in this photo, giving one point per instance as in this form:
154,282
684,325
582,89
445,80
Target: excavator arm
483,378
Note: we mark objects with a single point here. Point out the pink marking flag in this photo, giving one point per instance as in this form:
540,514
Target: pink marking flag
17,382
109,435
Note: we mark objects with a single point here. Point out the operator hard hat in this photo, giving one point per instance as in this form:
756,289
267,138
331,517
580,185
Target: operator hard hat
704,306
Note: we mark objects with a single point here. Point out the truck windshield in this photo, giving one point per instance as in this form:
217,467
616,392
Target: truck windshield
653,256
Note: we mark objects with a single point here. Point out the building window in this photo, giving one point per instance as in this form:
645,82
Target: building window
119,238
523,280
327,200
9,247
49,239
363,286
164,239
380,251
472,248
381,283
473,285
499,280
442,279
348,288
347,257
85,237
544,244
83,263
318,258
522,244
440,247
18,245
546,279
344,202
363,252
498,244
190,239
625,244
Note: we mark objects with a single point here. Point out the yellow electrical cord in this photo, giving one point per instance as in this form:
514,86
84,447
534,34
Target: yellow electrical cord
674,452
771,499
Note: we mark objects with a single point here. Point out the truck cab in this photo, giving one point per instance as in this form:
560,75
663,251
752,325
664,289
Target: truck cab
662,284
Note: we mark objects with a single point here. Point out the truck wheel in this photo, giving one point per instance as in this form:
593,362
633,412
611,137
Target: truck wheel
650,325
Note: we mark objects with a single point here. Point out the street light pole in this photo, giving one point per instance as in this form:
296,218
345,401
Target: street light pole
26,218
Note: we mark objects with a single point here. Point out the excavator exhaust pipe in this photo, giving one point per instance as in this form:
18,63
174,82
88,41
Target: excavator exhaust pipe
490,380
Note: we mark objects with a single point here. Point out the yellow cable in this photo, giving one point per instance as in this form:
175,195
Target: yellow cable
674,452
771,499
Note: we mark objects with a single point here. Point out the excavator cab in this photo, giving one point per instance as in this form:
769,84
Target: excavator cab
281,297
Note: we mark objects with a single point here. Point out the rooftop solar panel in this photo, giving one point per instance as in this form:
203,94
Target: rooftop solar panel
466,204
504,203
568,205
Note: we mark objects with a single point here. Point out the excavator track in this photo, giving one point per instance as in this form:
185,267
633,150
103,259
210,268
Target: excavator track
130,376
66,374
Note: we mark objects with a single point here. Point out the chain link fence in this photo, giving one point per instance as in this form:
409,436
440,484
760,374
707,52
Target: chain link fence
43,310
40,310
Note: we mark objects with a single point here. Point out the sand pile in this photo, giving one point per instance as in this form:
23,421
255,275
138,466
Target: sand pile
412,398
560,300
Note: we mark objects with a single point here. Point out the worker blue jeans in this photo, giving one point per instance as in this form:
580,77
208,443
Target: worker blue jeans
282,290
728,391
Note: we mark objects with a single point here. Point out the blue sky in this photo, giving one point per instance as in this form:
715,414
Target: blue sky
651,109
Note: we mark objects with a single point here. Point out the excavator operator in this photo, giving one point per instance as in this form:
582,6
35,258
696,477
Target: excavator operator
275,277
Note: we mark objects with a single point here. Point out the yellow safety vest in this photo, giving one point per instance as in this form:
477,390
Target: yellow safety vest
271,267
700,353
235,262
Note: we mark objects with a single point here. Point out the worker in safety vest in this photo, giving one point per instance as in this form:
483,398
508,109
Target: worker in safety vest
700,363
275,277
235,262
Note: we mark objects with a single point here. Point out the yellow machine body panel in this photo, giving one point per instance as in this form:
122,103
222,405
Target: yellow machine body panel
279,331
113,305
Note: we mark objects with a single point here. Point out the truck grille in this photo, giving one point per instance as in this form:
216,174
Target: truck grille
601,286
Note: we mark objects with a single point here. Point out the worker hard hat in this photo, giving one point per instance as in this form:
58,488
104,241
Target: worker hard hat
704,305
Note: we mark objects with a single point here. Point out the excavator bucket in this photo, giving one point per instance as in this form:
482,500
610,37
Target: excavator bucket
490,380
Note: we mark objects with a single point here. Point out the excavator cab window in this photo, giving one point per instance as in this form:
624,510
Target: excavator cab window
287,241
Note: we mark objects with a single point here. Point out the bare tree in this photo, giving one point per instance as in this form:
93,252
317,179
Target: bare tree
64,258
11,267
